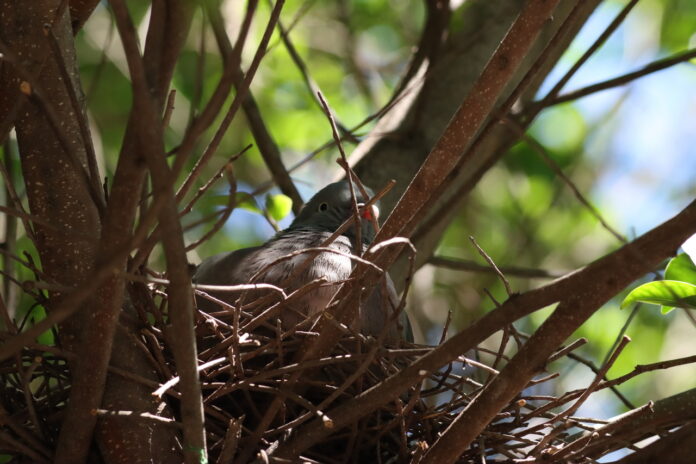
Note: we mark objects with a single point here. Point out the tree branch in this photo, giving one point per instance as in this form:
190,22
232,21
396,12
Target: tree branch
169,24
180,296
575,308
466,265
655,66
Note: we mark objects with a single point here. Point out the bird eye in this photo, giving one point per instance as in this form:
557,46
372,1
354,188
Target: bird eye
323,206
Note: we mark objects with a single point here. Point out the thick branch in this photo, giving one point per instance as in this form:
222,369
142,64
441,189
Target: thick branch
51,145
575,308
150,138
80,11
675,448
169,22
665,412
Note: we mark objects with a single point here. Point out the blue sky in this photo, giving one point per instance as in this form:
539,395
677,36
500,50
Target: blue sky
648,145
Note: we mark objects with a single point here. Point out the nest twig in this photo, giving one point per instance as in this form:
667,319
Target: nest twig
242,372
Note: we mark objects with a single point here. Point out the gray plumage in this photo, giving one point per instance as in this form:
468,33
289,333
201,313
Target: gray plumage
318,220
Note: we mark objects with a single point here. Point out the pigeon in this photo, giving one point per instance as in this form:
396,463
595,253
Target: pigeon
269,263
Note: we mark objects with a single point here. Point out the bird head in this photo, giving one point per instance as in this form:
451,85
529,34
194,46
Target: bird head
333,205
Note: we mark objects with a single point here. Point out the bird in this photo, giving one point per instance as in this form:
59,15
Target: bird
318,219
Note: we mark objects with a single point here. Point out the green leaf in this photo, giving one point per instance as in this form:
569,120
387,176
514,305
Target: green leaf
278,206
664,292
248,202
681,268
243,200
666,309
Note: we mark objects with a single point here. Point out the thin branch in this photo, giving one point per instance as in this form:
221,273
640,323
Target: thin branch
175,380
231,112
643,368
222,90
99,69
310,83
11,192
220,216
541,151
473,266
567,350
231,204
218,175
200,69
350,52
267,146
330,143
655,66
490,261
622,332
169,108
606,429
132,415
561,416
606,33
357,245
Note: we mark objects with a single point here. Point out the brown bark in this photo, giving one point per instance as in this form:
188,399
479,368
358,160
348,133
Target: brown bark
55,162
54,174
80,10
136,441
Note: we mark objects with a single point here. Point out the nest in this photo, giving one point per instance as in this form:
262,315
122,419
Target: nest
243,374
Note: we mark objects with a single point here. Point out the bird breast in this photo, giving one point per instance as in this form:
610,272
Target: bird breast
296,271
333,267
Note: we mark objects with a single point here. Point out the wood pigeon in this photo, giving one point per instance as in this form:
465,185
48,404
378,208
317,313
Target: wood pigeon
320,217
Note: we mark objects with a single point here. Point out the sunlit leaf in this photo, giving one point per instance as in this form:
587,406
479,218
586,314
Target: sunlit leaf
278,206
681,268
664,292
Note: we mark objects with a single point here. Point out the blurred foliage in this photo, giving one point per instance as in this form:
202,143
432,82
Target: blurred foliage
521,213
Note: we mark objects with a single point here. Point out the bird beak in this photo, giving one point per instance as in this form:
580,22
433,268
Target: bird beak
370,213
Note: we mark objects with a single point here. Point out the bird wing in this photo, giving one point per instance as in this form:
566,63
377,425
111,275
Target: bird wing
377,311
224,268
